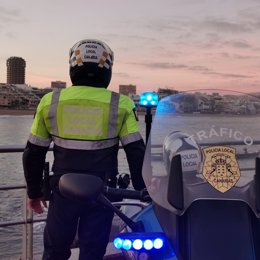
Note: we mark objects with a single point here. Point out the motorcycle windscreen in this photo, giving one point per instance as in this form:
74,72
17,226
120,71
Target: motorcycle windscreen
217,135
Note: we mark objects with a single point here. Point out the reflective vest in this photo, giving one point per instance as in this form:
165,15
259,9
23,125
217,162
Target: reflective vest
84,118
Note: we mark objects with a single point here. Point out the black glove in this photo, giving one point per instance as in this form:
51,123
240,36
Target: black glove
123,180
145,197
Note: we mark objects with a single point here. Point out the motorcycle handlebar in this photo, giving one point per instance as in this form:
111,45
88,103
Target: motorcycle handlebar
81,186
126,193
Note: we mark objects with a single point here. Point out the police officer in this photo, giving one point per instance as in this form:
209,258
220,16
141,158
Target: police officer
85,122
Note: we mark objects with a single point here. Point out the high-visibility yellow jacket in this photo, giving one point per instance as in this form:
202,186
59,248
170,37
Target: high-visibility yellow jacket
92,118
85,124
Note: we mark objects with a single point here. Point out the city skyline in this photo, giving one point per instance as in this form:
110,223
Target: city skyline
176,44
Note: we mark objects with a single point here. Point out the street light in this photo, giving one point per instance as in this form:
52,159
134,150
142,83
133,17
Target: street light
148,100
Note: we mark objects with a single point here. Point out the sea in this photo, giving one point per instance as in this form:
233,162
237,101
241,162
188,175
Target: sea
14,130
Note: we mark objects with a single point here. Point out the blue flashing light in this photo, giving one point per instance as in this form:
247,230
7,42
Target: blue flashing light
127,244
137,244
140,241
158,243
148,99
148,244
118,242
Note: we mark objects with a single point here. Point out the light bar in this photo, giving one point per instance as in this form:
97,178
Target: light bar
140,241
148,99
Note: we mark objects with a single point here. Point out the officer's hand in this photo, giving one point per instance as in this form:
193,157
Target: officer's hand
145,197
123,180
37,205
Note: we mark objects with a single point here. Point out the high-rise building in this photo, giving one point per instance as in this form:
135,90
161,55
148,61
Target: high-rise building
127,90
15,70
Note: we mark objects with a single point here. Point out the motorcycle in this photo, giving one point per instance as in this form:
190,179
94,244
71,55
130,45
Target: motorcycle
202,173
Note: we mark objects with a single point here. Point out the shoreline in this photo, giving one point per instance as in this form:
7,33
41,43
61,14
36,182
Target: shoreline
16,112
20,112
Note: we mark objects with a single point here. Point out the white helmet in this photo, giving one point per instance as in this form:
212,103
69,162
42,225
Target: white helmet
91,63
183,144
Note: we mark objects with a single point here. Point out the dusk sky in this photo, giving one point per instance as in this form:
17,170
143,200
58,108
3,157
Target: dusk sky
178,44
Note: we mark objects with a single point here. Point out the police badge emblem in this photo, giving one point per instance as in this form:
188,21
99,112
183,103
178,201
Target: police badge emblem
220,167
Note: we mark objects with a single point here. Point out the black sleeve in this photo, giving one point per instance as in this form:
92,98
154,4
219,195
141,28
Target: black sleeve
135,155
33,166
